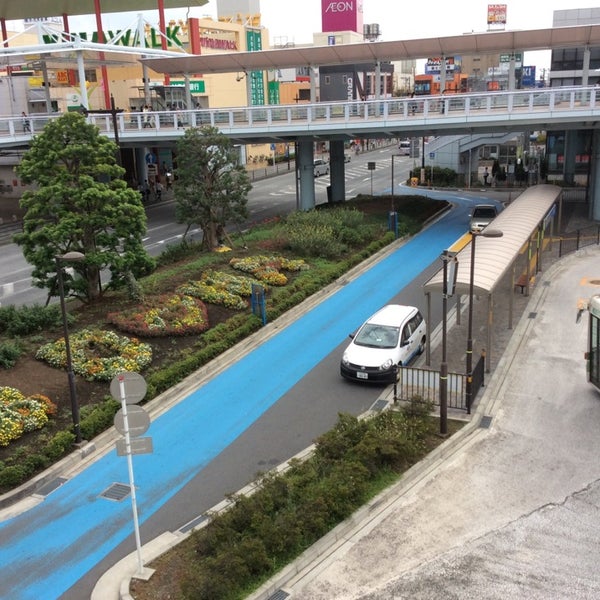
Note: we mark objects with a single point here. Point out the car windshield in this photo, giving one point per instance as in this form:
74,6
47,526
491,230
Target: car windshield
377,336
484,212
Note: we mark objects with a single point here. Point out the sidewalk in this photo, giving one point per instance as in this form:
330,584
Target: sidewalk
509,506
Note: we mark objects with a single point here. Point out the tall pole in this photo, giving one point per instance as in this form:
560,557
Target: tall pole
70,374
392,199
444,365
491,233
469,388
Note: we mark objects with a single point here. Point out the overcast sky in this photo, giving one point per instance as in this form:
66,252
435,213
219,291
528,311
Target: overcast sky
397,19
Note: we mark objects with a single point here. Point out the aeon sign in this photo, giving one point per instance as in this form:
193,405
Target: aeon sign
342,15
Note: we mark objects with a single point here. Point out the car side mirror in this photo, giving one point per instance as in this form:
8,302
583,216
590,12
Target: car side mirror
351,335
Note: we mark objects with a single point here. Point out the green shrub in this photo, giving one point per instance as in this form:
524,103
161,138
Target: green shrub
96,418
60,445
29,319
9,353
12,476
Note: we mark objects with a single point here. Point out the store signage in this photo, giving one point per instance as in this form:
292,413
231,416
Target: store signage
342,15
196,87
174,36
496,14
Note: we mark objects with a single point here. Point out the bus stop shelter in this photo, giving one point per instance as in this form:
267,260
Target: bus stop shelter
527,227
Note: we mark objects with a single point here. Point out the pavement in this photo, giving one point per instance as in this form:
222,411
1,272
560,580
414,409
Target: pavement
509,506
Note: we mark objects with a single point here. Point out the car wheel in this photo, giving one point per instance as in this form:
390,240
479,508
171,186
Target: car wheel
421,347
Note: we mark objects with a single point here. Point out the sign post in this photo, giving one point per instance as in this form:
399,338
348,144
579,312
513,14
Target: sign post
130,388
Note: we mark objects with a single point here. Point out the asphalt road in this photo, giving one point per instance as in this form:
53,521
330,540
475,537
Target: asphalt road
269,197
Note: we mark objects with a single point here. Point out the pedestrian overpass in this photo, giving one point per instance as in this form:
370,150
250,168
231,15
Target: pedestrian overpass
337,122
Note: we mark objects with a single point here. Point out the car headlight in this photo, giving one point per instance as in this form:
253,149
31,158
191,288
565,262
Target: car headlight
386,365
345,359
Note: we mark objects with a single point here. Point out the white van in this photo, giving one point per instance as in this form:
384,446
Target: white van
320,167
391,337
404,147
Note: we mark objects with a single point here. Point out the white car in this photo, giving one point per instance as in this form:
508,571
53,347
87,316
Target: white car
482,216
392,337
320,167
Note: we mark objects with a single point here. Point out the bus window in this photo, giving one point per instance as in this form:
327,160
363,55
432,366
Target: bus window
593,353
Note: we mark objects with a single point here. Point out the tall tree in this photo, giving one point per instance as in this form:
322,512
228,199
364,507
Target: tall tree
79,202
211,188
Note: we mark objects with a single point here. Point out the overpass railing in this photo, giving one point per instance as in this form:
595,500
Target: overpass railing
549,101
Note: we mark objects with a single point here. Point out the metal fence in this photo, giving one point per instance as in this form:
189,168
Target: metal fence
424,385
586,236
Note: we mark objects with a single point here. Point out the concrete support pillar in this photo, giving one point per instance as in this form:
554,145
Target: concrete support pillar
512,79
569,164
336,166
585,70
306,177
594,183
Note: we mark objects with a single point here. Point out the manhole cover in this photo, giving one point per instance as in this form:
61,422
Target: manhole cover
485,422
116,492
278,595
379,405
51,486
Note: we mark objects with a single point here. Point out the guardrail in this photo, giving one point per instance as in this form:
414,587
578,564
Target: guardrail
552,103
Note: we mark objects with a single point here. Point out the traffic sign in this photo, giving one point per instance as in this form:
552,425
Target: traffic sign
138,421
432,155
134,387
139,445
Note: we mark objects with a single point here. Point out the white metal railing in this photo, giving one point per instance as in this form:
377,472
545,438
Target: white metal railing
553,103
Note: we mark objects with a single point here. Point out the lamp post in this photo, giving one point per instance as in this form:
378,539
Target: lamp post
491,233
69,257
449,282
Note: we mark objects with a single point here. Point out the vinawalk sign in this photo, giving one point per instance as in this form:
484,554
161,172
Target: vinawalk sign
174,36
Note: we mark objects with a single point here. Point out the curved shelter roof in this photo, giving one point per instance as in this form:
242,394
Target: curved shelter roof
494,256
472,43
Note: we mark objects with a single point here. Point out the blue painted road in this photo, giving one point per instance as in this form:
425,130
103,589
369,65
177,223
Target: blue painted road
44,551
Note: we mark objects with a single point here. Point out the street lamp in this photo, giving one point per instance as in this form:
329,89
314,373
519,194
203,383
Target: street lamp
490,233
69,257
449,282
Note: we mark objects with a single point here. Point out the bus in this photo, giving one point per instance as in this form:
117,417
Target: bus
592,355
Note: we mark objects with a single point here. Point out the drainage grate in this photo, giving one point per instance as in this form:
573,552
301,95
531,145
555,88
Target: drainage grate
532,315
485,422
116,492
49,487
379,405
278,595
188,526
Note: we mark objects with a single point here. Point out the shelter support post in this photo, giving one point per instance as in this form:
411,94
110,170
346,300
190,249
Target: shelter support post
490,322
428,341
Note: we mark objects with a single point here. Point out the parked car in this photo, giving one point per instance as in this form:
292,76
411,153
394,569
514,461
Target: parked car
482,216
392,337
320,167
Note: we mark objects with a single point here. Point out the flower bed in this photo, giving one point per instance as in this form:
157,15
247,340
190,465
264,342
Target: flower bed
20,414
217,287
98,355
268,268
176,314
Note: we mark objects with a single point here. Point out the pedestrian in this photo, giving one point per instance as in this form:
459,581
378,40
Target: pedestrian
486,174
169,179
158,191
26,123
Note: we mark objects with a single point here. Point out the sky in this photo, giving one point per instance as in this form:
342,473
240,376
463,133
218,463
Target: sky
397,19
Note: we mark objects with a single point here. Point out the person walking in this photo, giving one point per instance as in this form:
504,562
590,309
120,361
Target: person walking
26,123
